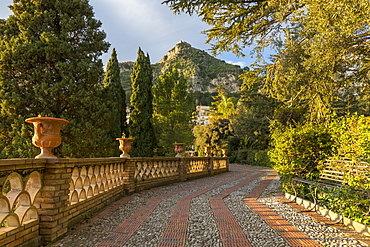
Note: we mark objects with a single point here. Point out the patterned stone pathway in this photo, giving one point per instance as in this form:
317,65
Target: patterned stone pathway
174,228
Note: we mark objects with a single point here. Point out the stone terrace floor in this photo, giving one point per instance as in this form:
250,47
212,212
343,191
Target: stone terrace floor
243,207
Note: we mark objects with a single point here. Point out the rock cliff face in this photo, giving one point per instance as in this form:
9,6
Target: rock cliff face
203,71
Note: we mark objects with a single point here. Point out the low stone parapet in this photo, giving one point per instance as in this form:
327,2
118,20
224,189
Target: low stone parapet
41,198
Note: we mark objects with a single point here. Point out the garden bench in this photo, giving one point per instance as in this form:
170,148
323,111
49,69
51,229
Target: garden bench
335,174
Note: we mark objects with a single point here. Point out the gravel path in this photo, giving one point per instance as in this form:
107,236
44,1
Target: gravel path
203,212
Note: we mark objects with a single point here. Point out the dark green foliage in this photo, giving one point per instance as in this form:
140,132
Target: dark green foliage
204,98
290,116
116,102
347,201
141,126
215,134
253,157
253,113
50,66
173,108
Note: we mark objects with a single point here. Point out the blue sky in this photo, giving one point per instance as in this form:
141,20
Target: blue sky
148,24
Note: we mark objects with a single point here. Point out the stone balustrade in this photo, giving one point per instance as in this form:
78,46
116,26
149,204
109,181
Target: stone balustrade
41,198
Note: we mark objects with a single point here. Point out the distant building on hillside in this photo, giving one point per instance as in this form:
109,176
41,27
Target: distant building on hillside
202,115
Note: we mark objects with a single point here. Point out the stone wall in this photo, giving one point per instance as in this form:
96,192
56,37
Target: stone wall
41,198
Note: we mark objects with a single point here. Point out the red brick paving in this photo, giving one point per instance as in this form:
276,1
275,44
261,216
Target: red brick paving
287,231
128,227
231,233
320,218
180,216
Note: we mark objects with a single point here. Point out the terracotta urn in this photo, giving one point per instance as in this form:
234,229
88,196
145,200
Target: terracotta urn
179,148
47,134
224,152
125,146
207,150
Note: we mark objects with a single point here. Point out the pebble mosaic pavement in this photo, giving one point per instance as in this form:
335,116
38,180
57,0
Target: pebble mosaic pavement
172,216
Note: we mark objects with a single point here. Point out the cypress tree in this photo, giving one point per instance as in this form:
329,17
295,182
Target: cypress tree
141,100
116,101
50,66
173,108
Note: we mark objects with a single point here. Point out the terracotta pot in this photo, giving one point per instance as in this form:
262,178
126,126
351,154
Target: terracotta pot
179,148
125,146
46,136
224,152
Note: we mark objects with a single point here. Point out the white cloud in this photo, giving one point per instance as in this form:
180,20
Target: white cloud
145,23
240,63
148,24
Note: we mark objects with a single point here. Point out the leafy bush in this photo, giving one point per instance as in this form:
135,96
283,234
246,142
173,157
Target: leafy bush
250,157
347,201
298,150
351,135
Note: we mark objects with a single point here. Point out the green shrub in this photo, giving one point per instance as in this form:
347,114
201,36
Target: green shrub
351,135
296,151
347,201
299,151
254,157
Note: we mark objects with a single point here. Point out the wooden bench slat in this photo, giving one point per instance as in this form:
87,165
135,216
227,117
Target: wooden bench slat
335,172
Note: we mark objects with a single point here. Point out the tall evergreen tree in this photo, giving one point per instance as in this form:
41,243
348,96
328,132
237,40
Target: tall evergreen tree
50,66
141,100
116,102
173,108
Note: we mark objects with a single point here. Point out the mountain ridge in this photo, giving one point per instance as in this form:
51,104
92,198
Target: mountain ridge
204,72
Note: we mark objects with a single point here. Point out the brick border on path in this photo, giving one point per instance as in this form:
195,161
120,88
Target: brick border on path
287,231
175,233
231,233
127,228
320,218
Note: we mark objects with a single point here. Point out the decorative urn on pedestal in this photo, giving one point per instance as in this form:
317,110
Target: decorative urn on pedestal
224,152
207,151
179,148
125,146
47,134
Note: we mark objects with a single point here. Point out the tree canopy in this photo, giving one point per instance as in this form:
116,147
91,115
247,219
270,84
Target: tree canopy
50,66
173,108
322,46
141,101
116,103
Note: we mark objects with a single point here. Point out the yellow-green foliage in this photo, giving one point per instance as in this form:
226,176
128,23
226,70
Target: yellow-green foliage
297,150
351,134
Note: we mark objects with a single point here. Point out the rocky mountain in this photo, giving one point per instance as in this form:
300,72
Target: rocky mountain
203,71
